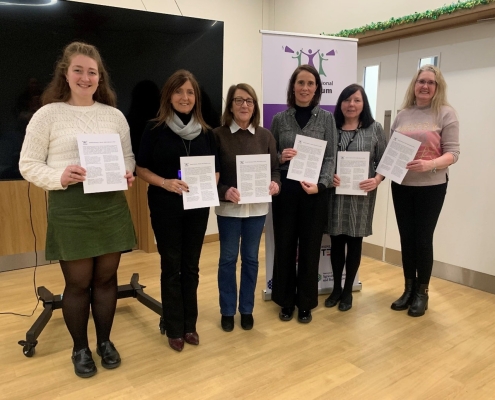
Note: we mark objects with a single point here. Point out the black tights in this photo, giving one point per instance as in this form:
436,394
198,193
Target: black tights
90,282
339,260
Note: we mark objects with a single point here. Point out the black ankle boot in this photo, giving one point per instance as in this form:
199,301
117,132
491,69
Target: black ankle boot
420,302
404,301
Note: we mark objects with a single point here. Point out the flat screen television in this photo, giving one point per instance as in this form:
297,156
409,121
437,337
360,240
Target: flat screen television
140,49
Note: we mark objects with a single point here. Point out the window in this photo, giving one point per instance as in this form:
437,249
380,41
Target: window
433,60
371,86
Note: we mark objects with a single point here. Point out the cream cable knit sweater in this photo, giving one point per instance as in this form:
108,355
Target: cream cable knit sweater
50,144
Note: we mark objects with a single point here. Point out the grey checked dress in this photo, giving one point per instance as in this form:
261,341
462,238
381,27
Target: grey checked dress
353,215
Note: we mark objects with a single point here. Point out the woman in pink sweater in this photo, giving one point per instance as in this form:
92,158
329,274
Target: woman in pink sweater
427,117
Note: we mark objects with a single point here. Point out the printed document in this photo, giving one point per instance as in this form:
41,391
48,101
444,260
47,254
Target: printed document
253,178
400,150
352,168
103,159
306,165
199,174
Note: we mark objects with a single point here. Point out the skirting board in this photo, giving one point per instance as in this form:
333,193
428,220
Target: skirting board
23,260
449,272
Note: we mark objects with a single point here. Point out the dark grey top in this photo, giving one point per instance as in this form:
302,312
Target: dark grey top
353,215
321,125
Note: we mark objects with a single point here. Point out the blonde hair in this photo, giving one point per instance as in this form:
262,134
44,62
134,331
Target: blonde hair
176,80
440,97
58,90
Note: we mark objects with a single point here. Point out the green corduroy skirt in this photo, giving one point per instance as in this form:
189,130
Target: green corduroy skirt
87,225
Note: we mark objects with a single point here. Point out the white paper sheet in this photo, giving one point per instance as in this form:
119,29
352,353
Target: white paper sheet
199,174
352,168
306,165
103,159
253,178
400,150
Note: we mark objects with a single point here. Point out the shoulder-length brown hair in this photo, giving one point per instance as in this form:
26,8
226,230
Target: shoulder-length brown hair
228,115
176,80
440,97
291,97
58,89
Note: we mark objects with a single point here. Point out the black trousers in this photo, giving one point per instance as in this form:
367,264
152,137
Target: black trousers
298,222
417,209
179,235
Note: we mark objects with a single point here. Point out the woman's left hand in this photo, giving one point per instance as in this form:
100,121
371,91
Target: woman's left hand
309,188
130,178
420,165
368,185
273,188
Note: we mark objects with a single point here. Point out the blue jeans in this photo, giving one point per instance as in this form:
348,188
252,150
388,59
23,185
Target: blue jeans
248,232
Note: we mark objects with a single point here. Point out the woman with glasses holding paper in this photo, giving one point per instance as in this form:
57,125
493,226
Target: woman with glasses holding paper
426,116
300,211
86,232
351,215
240,134
179,130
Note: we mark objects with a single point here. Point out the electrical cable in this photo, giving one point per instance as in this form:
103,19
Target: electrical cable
35,258
178,8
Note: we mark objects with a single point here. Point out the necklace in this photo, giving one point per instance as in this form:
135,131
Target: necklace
350,141
188,151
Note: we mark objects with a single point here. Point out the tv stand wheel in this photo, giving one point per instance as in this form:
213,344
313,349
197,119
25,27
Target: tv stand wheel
162,326
28,349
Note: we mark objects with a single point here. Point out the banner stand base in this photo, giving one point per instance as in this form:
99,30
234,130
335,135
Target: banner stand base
355,288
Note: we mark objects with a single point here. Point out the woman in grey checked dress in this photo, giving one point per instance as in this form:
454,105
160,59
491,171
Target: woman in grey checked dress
350,217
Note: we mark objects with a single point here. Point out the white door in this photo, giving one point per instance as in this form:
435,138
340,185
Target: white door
464,234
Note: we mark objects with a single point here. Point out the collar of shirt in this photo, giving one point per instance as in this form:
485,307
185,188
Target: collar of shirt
234,127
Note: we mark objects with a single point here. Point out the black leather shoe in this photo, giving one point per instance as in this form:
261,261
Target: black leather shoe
110,357
286,313
247,321
192,338
345,303
304,317
84,365
332,300
227,323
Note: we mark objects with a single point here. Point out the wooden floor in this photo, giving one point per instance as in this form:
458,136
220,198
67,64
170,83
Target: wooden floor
369,352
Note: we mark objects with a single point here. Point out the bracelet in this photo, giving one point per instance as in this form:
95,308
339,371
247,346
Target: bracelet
434,170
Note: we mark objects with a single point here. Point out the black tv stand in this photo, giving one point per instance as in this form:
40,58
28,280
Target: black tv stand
54,302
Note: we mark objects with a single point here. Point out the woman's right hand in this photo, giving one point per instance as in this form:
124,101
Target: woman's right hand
175,186
72,174
233,195
336,180
287,155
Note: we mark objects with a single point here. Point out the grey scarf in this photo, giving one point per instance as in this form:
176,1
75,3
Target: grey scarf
187,132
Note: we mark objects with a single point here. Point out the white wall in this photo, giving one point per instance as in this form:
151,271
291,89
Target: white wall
331,16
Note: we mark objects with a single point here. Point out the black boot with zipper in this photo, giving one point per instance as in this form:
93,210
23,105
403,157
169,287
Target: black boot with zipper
420,302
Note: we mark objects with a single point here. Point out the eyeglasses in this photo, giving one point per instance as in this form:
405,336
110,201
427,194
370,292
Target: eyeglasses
423,82
239,101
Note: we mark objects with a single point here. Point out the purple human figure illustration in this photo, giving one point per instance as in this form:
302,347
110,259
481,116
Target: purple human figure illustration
311,55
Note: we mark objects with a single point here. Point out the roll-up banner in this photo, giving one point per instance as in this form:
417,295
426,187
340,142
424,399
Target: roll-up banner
335,59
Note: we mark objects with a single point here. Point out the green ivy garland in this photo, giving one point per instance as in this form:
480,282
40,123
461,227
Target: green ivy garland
408,19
